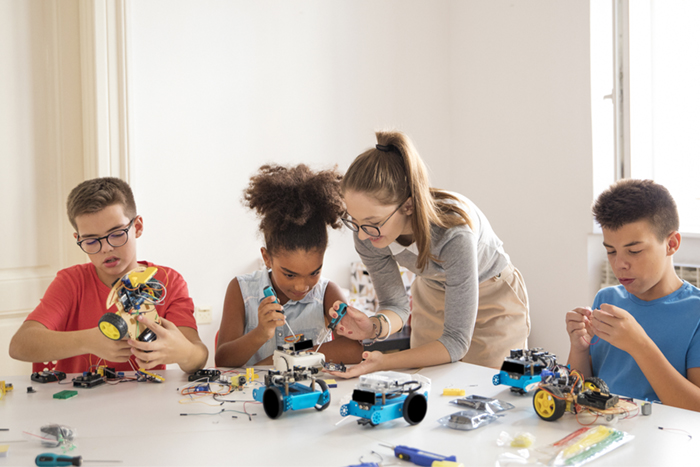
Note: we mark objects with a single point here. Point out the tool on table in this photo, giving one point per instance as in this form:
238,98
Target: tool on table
342,309
270,292
51,459
419,457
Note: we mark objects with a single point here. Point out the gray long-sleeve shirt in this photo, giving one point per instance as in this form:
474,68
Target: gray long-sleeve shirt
468,257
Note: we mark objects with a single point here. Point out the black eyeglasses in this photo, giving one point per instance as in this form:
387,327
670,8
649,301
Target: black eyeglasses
116,239
371,230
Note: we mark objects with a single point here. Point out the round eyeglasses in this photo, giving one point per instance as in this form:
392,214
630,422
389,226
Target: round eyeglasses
369,229
115,239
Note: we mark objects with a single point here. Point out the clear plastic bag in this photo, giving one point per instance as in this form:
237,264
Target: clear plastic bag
483,403
586,444
54,436
469,419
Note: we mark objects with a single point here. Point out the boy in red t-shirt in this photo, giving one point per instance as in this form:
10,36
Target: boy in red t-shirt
64,325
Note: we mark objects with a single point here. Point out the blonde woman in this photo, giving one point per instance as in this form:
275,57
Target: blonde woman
469,302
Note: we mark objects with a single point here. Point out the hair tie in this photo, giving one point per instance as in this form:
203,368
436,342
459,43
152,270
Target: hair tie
388,148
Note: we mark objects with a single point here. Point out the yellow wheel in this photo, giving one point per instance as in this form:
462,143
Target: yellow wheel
548,406
113,326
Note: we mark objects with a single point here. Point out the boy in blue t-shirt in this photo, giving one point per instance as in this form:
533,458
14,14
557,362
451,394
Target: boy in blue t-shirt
647,328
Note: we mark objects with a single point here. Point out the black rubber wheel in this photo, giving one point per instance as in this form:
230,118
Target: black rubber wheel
414,408
113,326
596,384
324,388
549,407
273,402
147,336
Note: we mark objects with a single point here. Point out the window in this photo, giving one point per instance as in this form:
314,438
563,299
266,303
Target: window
658,110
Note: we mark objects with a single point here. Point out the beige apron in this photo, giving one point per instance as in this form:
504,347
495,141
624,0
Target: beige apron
502,320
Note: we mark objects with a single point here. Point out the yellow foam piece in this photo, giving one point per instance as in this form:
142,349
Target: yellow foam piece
453,392
141,277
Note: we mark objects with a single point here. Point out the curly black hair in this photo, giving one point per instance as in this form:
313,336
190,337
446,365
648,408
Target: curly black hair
296,205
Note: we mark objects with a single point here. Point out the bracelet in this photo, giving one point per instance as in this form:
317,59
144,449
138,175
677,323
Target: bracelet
381,316
377,328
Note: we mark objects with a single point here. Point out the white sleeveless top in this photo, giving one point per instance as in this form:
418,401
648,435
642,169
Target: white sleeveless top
304,316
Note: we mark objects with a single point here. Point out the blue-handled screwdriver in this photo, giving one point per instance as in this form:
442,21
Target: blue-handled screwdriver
342,309
417,456
270,292
50,459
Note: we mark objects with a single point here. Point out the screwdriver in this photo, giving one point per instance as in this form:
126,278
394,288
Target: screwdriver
342,309
417,456
51,459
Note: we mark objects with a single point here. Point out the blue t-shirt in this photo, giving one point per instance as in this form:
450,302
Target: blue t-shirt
672,322
304,316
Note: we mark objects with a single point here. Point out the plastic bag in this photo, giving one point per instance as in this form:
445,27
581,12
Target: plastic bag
469,419
54,436
587,444
483,403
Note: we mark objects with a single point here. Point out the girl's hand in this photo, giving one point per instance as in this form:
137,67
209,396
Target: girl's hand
269,316
578,326
355,324
371,362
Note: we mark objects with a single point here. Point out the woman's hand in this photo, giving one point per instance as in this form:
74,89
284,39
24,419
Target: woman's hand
355,324
371,362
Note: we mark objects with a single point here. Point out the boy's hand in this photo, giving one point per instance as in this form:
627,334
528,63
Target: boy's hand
371,362
618,327
578,326
170,346
269,317
354,325
107,349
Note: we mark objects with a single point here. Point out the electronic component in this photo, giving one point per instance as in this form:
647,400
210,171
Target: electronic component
107,373
521,370
562,390
136,293
48,376
209,375
5,388
296,354
88,380
330,366
386,395
65,394
283,391
238,381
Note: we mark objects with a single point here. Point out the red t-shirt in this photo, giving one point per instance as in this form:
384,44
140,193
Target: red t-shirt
77,298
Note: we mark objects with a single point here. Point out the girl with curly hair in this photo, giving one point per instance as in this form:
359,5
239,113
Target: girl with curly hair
296,205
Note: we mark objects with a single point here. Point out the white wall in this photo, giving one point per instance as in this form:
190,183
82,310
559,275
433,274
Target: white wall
496,95
219,88
40,154
521,143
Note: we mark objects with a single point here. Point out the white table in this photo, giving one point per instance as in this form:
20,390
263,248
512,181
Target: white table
140,424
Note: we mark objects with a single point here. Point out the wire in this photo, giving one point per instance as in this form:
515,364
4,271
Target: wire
677,430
